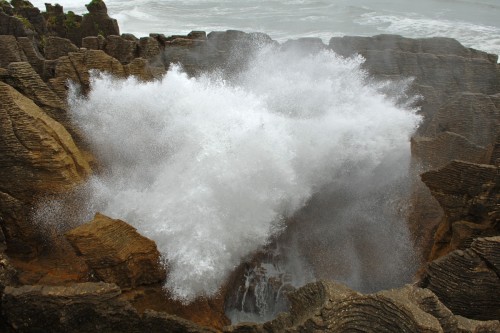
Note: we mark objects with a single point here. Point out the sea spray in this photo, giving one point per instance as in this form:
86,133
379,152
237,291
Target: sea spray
211,169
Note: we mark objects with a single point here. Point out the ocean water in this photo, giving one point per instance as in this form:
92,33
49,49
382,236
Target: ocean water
474,23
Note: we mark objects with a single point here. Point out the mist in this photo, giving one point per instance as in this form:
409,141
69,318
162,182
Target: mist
213,169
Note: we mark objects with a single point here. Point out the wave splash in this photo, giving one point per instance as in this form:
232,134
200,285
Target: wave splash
211,169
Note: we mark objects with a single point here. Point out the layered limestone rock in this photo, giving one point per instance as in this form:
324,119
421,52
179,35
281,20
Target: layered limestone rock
33,55
465,128
126,48
469,196
20,49
461,106
9,51
228,51
97,21
117,253
120,48
64,25
37,155
85,307
23,77
441,63
12,25
35,149
331,307
459,88
56,47
31,15
76,67
468,281
202,311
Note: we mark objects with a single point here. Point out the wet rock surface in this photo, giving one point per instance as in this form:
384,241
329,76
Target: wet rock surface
85,307
117,253
467,280
469,196
332,307
460,89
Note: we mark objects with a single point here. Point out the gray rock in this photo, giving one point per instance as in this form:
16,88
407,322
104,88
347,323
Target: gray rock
468,281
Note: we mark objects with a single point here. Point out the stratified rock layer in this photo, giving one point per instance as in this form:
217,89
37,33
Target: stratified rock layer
37,155
117,252
468,281
460,109
470,197
331,307
84,307
36,152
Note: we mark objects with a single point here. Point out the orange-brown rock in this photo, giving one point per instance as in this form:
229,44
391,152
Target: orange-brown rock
37,154
76,66
93,42
84,307
9,51
117,253
56,47
120,48
33,55
24,78
203,311
467,192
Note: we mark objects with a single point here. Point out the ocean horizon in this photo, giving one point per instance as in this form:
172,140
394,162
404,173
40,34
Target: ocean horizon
473,23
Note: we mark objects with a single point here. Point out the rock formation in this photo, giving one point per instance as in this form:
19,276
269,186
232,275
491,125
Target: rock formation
85,307
97,22
54,287
469,196
475,273
117,253
331,307
38,155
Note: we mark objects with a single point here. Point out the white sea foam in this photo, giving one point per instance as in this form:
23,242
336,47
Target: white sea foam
210,169
481,37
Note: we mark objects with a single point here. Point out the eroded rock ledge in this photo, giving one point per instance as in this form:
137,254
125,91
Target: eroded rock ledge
317,307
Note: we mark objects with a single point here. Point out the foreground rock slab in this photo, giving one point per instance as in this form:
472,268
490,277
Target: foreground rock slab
468,281
117,252
84,307
331,307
